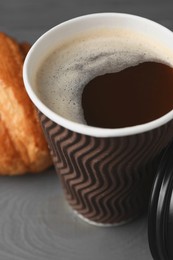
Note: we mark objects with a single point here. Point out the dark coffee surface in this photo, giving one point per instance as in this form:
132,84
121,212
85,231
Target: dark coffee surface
134,96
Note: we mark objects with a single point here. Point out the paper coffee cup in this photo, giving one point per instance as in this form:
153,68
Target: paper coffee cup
106,174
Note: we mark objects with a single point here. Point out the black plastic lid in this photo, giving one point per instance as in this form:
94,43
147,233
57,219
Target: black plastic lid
160,217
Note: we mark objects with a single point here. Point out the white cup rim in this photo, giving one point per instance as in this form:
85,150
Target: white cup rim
81,128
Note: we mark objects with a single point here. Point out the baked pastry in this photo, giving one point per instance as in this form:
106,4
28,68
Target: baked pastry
22,145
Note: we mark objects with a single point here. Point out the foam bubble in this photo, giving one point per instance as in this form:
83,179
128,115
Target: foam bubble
65,72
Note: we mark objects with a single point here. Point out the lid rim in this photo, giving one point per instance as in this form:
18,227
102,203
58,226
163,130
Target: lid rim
159,206
152,215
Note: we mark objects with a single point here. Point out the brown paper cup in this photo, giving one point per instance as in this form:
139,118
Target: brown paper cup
106,174
106,180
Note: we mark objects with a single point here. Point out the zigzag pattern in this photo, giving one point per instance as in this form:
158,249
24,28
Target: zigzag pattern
107,180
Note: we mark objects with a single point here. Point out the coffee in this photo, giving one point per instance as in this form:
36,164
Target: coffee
110,79
134,96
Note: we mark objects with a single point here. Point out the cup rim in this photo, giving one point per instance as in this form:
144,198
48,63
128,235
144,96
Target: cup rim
78,127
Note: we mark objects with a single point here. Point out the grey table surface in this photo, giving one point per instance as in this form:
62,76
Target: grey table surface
35,221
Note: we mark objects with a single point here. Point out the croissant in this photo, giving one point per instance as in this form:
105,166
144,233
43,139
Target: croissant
22,145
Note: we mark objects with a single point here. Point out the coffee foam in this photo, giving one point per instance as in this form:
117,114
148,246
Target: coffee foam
65,72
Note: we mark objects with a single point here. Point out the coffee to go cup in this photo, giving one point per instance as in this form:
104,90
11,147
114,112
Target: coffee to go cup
103,86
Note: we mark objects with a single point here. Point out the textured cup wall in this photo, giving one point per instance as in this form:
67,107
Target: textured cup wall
106,180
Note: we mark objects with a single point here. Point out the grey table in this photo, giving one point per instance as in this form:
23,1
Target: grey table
35,221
